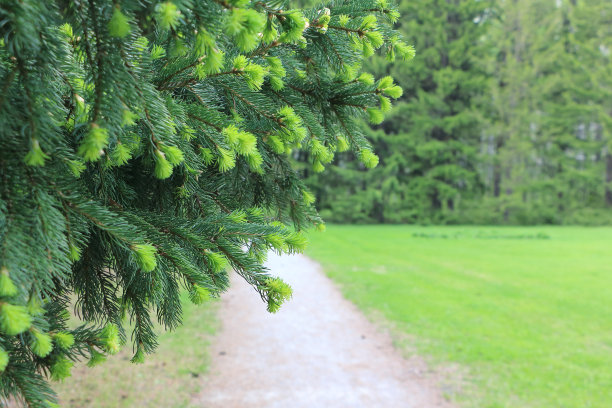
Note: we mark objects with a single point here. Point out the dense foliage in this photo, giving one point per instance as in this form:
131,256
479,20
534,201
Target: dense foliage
145,147
505,118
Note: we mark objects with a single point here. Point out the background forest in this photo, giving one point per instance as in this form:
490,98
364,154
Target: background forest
505,119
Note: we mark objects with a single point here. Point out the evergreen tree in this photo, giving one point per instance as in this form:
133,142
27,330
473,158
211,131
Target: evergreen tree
505,118
549,126
576,107
438,128
145,148
508,164
429,144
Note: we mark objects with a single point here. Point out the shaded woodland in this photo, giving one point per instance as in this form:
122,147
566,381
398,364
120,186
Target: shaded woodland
505,118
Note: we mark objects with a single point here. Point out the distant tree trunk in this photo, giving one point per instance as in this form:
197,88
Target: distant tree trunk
608,180
436,204
497,180
560,195
379,212
509,192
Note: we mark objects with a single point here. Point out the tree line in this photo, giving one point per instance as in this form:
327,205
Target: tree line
505,119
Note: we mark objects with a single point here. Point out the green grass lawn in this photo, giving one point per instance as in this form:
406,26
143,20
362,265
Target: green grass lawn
167,379
526,311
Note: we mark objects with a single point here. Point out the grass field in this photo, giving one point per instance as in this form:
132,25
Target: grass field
525,312
167,379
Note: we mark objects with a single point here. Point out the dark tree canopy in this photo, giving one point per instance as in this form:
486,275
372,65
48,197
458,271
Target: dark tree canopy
506,118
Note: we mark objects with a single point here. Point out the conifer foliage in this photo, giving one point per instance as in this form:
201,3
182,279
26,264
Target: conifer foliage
144,150
429,144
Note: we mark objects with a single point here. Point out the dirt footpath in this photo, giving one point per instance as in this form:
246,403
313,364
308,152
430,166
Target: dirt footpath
317,351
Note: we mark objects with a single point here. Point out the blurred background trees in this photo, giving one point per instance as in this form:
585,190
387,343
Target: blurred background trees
505,118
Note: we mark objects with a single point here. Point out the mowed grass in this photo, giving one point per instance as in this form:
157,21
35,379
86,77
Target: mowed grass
526,312
168,378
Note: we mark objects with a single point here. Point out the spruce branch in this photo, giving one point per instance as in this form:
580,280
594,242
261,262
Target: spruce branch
236,94
149,162
204,121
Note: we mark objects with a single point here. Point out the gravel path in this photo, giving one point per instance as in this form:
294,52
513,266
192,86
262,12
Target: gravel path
317,351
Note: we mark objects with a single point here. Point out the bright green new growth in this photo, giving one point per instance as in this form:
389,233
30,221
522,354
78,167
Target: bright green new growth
163,167
376,116
109,336
93,144
255,161
14,319
309,198
385,103
296,241
276,67
253,73
238,216
276,83
231,134
157,52
212,64
277,242
40,343
139,357
7,287
198,294
4,359
205,43
278,292
276,143
393,91
145,255
121,154
244,25
366,78
34,306
343,144
168,15
226,160
243,143
35,157
129,118
296,24
74,252
76,167
217,261
61,369
369,159
207,156
174,155
118,26
318,167
64,340
157,146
